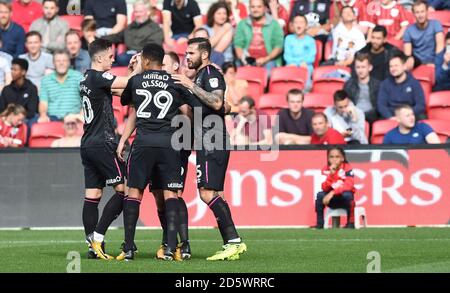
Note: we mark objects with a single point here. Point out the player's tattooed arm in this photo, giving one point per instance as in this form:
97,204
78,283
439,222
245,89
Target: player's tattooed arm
213,99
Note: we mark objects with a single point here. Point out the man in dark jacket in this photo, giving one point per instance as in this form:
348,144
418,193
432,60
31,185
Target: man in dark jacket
21,91
140,32
362,88
380,52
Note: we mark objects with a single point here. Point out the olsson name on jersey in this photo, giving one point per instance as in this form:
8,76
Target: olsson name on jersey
155,80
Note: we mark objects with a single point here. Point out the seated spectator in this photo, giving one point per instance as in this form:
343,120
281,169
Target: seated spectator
338,189
238,11
439,4
258,39
251,126
12,34
25,12
294,123
220,30
362,89
300,48
279,13
216,57
391,15
59,93
408,131
180,19
401,88
236,88
71,138
110,15
12,130
347,38
443,67
140,32
424,39
71,7
359,7
88,28
347,119
380,51
79,58
21,91
51,27
318,14
323,133
5,73
39,63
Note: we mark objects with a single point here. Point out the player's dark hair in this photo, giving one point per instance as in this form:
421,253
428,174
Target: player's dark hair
340,150
33,34
22,63
97,46
15,109
154,53
340,95
174,56
202,43
247,99
228,65
400,55
380,29
295,92
212,10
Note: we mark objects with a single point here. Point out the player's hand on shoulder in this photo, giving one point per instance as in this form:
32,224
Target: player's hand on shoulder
183,80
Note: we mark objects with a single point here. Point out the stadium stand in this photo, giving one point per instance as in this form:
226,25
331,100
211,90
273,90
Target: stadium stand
272,103
441,127
43,134
318,101
438,106
256,78
379,129
282,79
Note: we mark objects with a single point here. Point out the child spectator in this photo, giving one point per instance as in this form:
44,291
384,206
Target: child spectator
12,130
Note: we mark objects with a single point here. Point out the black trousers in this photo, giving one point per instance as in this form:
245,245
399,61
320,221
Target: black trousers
343,201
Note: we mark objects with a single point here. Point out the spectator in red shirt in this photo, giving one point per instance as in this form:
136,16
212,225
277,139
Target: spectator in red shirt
338,189
12,130
323,134
25,12
389,14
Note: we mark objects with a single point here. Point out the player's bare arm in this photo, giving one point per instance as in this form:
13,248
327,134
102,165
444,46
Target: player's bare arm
130,126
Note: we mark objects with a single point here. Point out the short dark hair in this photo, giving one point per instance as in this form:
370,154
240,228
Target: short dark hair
400,55
154,53
299,15
347,7
420,2
54,1
360,56
319,114
202,43
33,34
72,32
447,36
401,107
22,63
295,92
212,10
174,56
88,25
228,65
380,29
340,95
97,46
247,99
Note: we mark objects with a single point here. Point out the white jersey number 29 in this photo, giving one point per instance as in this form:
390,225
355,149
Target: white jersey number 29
164,106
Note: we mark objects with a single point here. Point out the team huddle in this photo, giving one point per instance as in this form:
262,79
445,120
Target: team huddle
155,94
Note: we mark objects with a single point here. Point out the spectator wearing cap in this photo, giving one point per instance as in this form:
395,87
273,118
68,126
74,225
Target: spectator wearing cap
51,27
110,15
21,91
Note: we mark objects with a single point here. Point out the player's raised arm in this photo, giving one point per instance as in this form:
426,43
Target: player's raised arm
121,81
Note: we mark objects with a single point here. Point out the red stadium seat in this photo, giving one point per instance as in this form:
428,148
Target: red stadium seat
323,84
119,71
43,134
441,127
443,16
319,53
438,106
318,101
328,49
282,79
396,43
256,78
380,128
426,73
272,103
367,129
74,21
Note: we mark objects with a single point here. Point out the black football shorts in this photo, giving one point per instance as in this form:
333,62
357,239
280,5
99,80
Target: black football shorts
211,168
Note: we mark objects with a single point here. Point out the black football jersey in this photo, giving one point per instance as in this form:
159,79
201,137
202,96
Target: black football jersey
96,100
156,99
209,79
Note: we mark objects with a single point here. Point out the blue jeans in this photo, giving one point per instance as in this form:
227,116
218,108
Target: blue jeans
343,201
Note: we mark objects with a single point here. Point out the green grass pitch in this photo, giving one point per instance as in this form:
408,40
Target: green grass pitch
269,250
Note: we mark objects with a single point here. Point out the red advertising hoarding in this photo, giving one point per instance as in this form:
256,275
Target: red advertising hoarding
396,187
